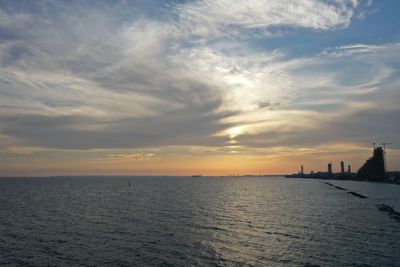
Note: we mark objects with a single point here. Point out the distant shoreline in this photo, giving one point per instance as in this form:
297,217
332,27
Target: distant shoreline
351,179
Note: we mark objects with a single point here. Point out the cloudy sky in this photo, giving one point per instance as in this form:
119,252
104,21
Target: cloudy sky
196,86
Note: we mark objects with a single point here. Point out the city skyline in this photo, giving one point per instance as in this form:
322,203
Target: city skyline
197,87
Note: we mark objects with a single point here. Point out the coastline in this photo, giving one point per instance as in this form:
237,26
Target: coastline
396,180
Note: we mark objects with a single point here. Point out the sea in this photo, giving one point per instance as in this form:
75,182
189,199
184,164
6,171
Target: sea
196,221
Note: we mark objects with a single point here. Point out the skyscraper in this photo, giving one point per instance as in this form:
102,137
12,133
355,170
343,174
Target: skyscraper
330,168
342,167
374,167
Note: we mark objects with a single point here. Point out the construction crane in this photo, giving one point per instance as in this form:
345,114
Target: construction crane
384,145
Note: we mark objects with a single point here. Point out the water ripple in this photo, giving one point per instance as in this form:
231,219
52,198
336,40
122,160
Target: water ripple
184,221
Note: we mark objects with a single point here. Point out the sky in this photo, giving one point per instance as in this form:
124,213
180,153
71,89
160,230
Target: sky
211,87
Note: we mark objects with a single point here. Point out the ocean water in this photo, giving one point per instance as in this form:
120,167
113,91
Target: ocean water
185,221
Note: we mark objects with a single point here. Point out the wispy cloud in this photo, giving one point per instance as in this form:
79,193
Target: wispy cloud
224,17
79,75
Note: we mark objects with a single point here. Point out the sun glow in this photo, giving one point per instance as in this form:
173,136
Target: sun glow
235,132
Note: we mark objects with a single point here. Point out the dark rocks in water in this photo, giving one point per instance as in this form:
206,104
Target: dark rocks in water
350,192
357,194
389,210
374,167
335,186
340,188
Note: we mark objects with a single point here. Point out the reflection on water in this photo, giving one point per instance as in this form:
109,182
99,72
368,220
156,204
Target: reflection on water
185,221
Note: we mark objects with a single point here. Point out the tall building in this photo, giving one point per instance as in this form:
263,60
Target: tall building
374,167
349,169
342,167
302,169
330,168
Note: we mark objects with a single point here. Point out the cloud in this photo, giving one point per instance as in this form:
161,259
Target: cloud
349,94
216,17
359,127
80,80
76,76
130,157
361,49
189,126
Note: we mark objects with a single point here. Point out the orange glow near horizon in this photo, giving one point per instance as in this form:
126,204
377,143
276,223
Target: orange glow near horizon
280,161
